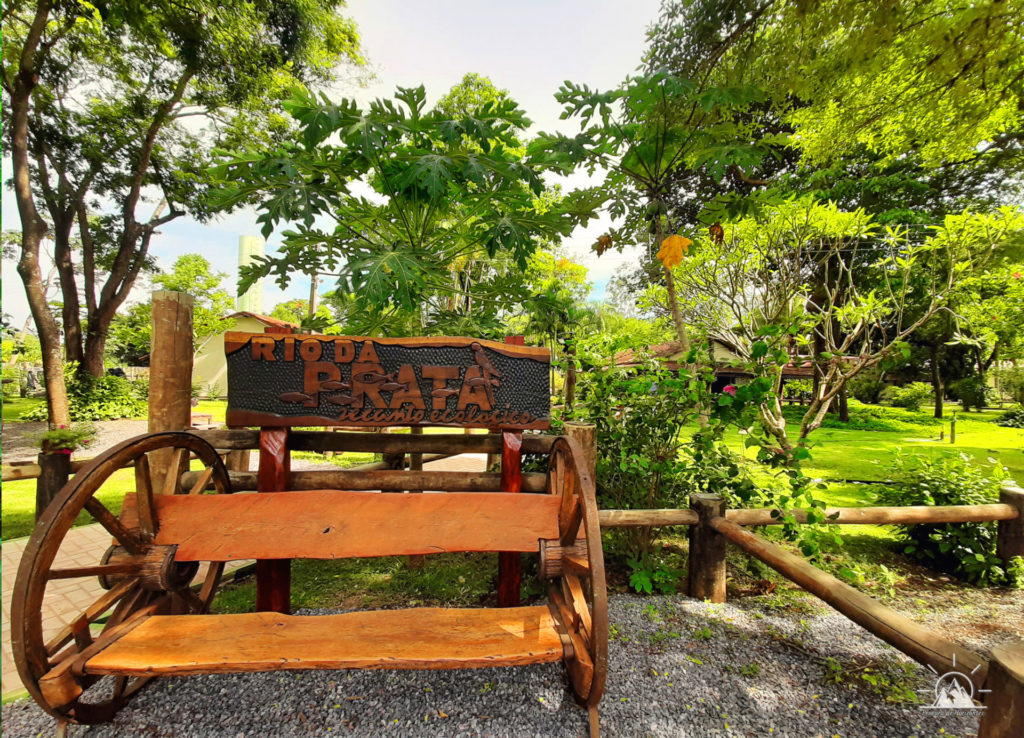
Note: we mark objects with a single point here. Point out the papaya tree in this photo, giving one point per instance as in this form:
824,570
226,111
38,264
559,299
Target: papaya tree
388,198
641,134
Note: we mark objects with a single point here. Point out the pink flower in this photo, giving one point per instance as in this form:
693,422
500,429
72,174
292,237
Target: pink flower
729,389
63,427
67,451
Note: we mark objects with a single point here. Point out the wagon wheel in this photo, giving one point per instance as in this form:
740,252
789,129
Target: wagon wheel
579,593
140,577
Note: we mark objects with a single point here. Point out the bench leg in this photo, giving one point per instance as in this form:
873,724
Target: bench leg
274,576
510,564
274,585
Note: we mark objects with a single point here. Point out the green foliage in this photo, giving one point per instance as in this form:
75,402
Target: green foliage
132,331
1012,418
920,76
909,396
651,573
967,550
868,385
973,392
1011,379
105,398
447,190
65,440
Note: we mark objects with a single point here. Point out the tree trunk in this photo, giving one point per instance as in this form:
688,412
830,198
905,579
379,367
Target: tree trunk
937,386
570,373
33,228
96,334
670,286
844,404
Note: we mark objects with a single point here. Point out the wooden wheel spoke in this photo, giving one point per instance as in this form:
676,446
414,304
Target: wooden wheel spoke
179,461
104,517
129,567
202,481
570,522
210,583
120,684
144,497
578,604
191,600
95,610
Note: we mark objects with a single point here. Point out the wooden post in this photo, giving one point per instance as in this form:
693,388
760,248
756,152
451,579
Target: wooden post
54,470
952,429
416,464
273,576
1004,704
170,375
586,434
706,570
510,564
1010,536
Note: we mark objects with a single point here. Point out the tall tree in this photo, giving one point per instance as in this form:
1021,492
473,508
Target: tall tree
119,104
132,330
644,132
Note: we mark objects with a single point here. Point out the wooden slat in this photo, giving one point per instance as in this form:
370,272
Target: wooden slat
330,524
425,638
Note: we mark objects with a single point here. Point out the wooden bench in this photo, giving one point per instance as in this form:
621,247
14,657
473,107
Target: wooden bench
174,535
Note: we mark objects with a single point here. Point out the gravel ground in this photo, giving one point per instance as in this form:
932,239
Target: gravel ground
667,677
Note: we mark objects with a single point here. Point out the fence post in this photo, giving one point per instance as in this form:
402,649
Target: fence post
1004,713
706,570
586,434
416,464
170,374
54,470
1010,535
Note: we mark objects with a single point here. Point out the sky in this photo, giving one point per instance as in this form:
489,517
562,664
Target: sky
529,48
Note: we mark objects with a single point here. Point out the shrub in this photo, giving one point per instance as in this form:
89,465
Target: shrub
1012,382
967,550
794,389
909,396
106,398
867,386
973,392
1012,418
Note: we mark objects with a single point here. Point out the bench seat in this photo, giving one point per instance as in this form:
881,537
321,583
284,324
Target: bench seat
421,638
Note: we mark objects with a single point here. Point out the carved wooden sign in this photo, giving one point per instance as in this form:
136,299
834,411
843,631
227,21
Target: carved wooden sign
294,380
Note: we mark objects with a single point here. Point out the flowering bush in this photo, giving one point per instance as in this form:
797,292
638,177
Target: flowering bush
64,440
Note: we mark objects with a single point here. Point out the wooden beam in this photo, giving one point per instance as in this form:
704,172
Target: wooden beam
637,518
1010,535
895,629
1004,713
846,515
886,515
705,572
170,376
393,480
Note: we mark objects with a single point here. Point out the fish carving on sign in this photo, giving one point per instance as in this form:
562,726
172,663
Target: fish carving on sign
358,381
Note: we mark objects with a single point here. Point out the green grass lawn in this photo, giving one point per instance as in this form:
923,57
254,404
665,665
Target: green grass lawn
13,407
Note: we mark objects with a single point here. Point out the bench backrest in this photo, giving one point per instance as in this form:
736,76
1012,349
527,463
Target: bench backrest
288,380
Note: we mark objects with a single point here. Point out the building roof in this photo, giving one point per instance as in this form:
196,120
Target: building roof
265,319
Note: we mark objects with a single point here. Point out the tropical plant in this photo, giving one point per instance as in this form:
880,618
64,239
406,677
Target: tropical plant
967,550
445,188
